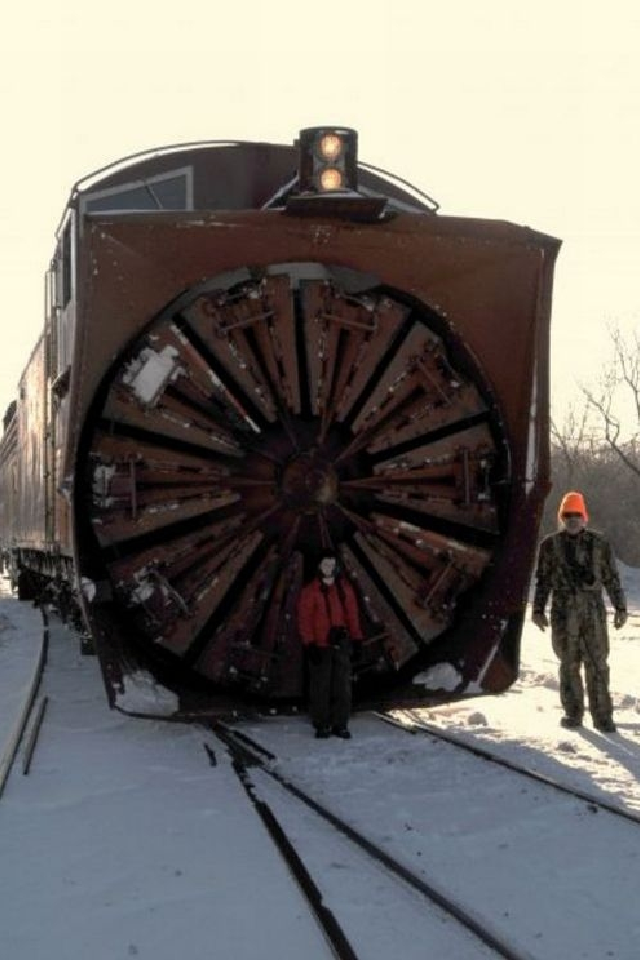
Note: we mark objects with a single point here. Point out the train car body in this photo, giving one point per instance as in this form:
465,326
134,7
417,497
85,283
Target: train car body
237,372
8,484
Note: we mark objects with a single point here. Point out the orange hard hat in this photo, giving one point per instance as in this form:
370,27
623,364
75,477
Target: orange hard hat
573,502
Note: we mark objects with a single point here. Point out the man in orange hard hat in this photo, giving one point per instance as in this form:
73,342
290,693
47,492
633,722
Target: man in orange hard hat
573,566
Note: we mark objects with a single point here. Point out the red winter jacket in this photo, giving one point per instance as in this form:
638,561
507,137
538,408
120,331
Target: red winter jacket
321,607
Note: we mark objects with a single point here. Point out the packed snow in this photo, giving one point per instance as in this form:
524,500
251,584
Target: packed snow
129,839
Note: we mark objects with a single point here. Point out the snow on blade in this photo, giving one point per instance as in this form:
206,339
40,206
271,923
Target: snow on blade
143,695
150,372
442,676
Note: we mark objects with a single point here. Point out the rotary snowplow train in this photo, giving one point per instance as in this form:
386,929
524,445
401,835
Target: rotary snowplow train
251,353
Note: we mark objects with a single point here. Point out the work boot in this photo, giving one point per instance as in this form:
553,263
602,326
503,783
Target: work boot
342,732
570,722
605,726
322,733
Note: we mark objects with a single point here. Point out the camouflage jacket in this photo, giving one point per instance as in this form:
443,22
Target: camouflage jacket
572,566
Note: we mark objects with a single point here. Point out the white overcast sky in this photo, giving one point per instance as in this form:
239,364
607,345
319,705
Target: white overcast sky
525,112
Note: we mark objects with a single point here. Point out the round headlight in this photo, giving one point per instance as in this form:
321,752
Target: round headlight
331,179
330,146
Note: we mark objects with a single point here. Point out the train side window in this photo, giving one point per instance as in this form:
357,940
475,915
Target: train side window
66,264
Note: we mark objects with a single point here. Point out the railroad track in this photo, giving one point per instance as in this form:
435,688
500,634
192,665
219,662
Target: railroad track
418,726
19,729
251,760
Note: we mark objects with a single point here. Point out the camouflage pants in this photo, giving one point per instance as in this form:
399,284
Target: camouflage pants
330,689
579,639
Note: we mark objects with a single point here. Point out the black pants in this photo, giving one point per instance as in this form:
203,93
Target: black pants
330,689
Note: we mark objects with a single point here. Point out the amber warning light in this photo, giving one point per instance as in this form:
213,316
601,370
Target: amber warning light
330,146
328,159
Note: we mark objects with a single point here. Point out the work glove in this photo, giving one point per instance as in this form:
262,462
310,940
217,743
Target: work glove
314,653
540,620
619,618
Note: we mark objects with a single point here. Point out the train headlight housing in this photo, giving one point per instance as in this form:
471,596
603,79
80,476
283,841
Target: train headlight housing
328,159
327,181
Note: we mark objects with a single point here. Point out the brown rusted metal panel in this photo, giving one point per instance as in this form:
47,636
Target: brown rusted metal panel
485,278
30,506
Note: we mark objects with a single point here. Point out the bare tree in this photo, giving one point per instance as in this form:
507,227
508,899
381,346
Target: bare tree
618,391
570,440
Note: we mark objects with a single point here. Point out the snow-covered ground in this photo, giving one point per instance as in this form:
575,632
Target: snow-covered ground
124,840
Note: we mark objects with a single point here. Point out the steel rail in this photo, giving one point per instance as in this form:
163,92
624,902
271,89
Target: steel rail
242,758
32,736
419,727
476,926
15,737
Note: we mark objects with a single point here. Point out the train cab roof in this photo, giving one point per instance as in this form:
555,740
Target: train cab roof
217,175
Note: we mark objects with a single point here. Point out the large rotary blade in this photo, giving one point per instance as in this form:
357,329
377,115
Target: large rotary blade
267,419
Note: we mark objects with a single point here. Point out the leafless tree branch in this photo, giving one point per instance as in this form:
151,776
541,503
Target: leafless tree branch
619,383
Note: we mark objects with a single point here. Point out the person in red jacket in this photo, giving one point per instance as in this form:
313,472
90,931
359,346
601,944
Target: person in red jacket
329,626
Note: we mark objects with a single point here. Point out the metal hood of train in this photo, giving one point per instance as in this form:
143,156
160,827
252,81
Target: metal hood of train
485,288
